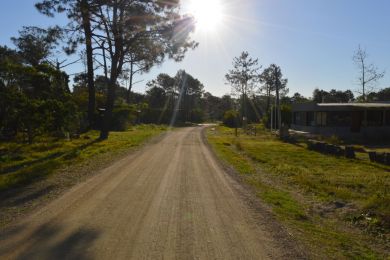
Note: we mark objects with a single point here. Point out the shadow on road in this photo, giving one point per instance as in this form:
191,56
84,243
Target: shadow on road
47,242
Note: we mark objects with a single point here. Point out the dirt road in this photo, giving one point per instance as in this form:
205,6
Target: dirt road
171,200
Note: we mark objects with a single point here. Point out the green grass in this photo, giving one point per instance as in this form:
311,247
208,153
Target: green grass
303,188
21,164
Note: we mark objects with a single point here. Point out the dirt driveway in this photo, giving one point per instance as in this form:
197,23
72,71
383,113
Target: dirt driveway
170,200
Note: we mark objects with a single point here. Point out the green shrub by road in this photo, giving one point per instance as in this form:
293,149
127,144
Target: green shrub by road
21,164
339,208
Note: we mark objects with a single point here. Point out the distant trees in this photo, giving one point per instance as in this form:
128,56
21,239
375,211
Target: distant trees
243,77
369,74
298,98
175,99
382,95
333,96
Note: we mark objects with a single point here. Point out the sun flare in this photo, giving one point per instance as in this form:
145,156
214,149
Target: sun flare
208,14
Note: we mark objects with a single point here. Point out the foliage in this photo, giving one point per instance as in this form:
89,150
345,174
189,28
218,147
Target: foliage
243,77
230,119
175,99
35,44
298,98
382,95
334,96
273,81
122,117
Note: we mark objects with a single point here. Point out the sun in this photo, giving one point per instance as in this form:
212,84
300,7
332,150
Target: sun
208,14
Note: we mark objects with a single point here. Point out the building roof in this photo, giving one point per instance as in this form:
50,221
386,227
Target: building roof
340,106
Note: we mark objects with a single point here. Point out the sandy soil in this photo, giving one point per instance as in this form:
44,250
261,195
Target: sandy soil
170,200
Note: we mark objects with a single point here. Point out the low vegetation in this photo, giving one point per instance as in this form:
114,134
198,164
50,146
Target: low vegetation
339,208
21,164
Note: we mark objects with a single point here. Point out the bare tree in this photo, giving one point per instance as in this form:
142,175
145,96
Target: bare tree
369,74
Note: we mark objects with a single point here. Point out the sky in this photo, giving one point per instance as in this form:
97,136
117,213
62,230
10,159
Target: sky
313,41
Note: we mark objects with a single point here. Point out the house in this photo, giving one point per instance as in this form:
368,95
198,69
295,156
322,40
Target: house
345,120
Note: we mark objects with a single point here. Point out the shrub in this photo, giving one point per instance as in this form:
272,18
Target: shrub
230,119
122,117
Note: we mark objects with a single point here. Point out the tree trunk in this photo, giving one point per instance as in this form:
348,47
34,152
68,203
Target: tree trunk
109,108
116,68
90,70
268,99
278,111
131,83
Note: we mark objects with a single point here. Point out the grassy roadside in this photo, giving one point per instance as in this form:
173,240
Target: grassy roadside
22,164
338,208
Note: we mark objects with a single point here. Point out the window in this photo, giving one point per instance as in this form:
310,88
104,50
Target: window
374,118
339,118
388,117
310,119
321,118
299,118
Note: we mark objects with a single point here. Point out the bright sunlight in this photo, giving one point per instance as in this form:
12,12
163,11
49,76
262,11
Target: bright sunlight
208,14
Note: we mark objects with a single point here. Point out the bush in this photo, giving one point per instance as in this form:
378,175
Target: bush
122,117
230,119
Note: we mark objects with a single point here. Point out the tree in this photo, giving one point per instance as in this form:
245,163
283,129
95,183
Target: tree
298,98
369,74
334,96
190,93
382,95
81,14
274,79
144,54
122,23
169,86
36,44
243,77
266,78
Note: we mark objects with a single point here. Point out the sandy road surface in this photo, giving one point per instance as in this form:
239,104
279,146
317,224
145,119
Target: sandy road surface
171,200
